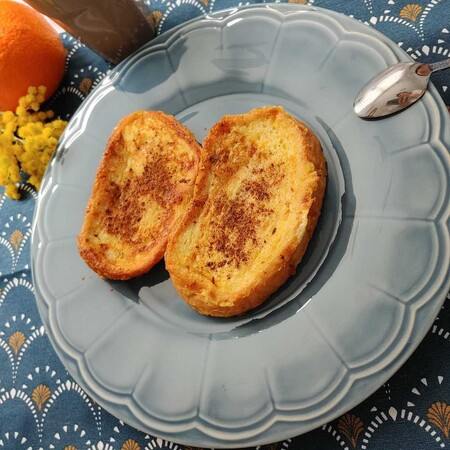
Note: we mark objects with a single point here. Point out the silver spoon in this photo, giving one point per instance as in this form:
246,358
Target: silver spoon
394,89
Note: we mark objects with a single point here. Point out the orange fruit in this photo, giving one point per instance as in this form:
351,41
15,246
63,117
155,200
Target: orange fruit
31,53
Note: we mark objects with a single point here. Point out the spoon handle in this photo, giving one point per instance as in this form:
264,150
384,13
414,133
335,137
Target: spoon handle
439,65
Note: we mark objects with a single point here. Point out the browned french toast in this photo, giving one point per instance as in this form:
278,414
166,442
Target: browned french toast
142,187
257,199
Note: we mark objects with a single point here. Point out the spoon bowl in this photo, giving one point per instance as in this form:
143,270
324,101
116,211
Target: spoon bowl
394,89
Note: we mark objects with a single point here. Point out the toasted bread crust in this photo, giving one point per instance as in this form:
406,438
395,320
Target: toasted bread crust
142,187
255,261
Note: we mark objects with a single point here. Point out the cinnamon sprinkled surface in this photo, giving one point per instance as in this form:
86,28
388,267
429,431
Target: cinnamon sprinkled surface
235,219
159,181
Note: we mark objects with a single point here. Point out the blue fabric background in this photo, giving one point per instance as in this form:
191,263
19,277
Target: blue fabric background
41,407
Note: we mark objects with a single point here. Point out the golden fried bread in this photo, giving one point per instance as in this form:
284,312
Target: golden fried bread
142,187
257,199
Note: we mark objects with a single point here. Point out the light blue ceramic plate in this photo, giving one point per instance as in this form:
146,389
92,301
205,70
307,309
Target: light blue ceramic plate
373,280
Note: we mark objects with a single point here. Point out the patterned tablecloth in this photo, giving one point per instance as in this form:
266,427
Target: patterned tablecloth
42,407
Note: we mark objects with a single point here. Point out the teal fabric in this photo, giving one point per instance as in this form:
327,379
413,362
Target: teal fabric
42,407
